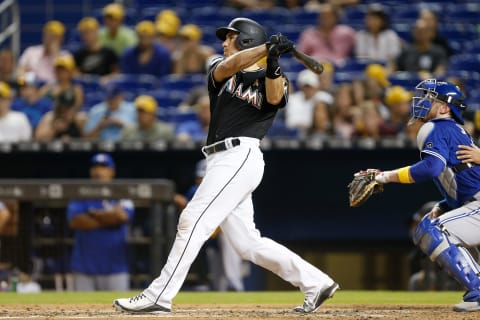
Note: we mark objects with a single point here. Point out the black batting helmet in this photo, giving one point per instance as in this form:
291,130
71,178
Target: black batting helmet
250,33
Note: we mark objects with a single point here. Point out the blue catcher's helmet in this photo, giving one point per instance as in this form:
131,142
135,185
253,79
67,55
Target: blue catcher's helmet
431,89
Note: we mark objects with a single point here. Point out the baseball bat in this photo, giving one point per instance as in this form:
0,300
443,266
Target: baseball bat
308,61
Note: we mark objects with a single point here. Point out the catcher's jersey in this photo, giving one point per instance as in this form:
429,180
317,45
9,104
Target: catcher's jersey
440,138
238,105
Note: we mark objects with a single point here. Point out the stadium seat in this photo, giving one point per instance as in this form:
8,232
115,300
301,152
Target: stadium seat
408,80
212,16
466,62
89,82
136,83
354,15
472,47
353,65
167,98
92,98
268,16
464,12
302,17
182,83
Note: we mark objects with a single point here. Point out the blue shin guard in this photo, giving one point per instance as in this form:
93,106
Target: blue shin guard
457,261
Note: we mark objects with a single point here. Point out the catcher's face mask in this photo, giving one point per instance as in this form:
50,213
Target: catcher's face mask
422,100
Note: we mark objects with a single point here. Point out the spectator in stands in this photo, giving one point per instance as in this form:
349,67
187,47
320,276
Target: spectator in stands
397,99
99,257
345,114
63,122
93,57
322,127
39,59
371,124
148,57
8,67
196,130
301,105
431,20
372,87
115,34
14,125
4,215
106,120
422,56
148,127
377,42
329,40
191,56
64,69
167,24
31,101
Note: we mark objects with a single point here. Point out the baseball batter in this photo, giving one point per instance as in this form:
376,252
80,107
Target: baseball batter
244,99
453,225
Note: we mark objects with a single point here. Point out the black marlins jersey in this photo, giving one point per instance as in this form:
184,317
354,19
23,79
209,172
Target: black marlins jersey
238,105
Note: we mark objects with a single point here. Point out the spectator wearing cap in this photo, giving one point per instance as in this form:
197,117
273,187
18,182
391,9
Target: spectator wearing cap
64,122
196,130
148,57
148,127
191,56
422,56
377,42
14,125
39,59
106,120
31,101
167,24
99,256
64,74
115,34
329,40
94,57
397,99
302,104
371,87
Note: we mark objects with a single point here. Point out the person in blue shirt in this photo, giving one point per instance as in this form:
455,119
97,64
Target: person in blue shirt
196,130
149,56
31,101
99,257
107,119
453,225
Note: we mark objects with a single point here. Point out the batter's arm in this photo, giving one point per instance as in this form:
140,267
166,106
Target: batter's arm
238,61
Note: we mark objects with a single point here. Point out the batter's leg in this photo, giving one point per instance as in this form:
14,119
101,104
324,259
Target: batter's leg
240,229
230,176
232,263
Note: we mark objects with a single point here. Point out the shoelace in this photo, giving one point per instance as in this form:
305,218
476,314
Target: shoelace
137,297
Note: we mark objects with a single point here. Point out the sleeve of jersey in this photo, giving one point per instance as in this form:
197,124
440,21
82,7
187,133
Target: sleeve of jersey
431,141
212,63
75,208
426,169
129,208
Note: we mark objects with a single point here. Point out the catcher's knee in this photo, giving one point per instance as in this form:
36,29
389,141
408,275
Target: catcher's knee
430,238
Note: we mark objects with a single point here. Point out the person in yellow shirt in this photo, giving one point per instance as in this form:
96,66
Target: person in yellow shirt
115,34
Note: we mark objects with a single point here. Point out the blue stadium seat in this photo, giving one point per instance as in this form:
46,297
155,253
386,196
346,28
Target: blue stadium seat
92,98
303,17
167,98
354,15
90,83
466,12
345,77
213,16
353,65
136,83
176,117
406,79
472,47
466,62
268,16
182,83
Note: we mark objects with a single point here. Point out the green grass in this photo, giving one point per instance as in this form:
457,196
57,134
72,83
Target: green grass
275,297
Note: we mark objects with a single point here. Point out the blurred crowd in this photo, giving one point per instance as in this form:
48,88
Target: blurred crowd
146,81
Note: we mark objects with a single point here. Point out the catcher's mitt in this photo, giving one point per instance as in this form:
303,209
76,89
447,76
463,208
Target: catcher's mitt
362,187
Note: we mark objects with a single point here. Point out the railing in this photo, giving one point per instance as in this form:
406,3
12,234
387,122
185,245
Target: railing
10,24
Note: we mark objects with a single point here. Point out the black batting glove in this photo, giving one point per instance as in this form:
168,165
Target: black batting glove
278,45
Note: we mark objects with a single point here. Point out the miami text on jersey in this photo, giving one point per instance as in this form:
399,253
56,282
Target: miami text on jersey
250,95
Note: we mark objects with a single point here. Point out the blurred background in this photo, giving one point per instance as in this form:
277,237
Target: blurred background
127,79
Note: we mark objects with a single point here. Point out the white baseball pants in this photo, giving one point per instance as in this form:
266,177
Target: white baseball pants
224,198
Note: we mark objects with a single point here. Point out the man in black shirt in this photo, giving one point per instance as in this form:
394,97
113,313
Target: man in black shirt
244,98
93,57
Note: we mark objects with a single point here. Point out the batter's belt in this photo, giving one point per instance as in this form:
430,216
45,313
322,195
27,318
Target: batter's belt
221,146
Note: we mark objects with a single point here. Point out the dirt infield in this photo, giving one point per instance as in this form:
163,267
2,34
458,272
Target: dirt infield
225,311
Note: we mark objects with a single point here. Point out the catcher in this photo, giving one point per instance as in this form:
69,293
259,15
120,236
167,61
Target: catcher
453,225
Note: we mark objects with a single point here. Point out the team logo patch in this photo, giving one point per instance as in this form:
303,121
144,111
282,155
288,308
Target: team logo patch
429,145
